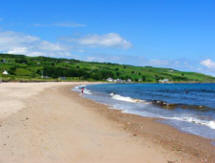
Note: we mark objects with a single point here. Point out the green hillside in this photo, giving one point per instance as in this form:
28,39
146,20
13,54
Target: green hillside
24,68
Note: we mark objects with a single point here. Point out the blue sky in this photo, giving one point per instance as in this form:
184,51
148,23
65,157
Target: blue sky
163,33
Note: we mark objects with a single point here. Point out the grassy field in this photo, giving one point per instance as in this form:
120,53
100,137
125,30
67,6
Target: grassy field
24,68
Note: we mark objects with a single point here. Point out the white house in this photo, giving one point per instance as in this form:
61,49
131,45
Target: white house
109,79
164,81
119,81
5,72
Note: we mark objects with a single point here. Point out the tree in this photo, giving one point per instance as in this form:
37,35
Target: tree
157,78
117,74
143,78
21,60
12,70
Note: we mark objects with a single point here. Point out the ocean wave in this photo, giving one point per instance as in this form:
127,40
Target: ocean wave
87,91
127,99
188,119
209,123
166,105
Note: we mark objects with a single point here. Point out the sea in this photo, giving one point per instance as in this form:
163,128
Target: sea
187,107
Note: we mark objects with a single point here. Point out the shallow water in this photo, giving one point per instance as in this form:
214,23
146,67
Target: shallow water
188,107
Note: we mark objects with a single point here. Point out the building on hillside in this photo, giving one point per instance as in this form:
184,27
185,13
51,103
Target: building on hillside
109,80
164,81
129,80
119,81
4,60
5,72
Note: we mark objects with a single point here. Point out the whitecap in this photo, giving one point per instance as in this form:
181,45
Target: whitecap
127,99
210,124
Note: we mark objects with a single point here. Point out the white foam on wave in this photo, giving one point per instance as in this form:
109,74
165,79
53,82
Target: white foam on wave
210,124
87,91
127,99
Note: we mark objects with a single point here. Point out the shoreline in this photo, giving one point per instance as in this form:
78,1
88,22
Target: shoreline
56,125
204,118
175,140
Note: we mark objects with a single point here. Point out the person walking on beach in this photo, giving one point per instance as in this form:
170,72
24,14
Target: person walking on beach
82,90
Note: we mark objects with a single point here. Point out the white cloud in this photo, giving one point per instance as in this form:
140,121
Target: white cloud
113,40
208,63
18,50
18,43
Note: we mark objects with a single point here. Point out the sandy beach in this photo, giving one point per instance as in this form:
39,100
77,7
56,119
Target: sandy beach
48,123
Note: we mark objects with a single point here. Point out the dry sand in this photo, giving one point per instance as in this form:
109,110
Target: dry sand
47,123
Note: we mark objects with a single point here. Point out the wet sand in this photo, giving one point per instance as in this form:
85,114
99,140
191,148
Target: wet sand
47,122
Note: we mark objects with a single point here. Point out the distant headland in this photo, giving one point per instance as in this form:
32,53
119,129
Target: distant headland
25,68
